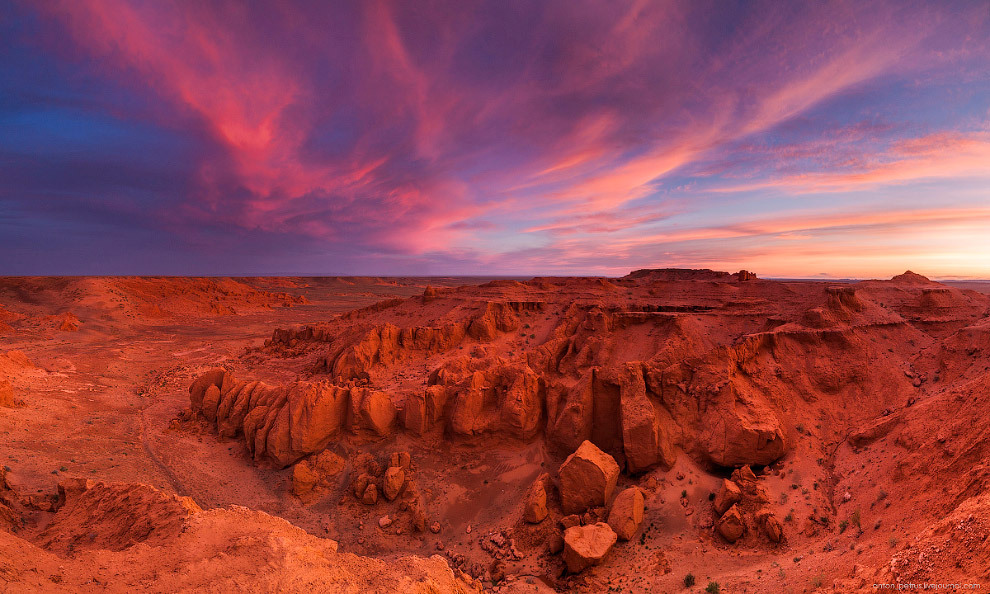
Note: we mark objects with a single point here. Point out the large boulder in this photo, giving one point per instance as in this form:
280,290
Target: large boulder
772,528
587,479
727,496
770,524
314,473
585,546
370,495
304,479
741,428
395,478
536,501
731,525
626,514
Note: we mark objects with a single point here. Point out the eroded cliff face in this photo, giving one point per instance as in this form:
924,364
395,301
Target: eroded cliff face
659,371
646,367
581,434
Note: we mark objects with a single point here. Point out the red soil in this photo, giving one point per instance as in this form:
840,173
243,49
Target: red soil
859,407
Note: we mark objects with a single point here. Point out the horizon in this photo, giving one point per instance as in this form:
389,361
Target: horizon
470,276
818,141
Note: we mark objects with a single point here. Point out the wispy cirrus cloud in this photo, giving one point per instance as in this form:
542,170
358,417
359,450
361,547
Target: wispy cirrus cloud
445,133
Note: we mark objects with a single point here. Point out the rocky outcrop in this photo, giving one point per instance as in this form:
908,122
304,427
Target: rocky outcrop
311,477
573,424
377,413
731,525
505,399
587,479
742,505
727,496
284,424
647,367
423,411
114,517
535,510
395,479
771,526
645,442
585,546
626,514
741,428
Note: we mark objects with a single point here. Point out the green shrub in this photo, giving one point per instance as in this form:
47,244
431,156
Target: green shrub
713,588
689,580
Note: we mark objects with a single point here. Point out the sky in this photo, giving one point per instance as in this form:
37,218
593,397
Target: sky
794,139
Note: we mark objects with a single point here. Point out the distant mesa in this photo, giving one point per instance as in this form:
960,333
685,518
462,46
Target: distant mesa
688,274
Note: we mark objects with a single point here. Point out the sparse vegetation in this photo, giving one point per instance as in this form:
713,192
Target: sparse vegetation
843,525
689,580
684,494
856,520
713,588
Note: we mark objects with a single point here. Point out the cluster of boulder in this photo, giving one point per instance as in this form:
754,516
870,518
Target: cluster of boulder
742,504
390,482
314,476
586,482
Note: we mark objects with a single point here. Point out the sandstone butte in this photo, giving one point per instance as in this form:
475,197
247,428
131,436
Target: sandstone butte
594,433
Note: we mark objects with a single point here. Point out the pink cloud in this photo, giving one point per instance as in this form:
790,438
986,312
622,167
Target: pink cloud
418,128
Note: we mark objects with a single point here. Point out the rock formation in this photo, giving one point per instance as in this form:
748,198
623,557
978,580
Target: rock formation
536,500
731,525
585,546
626,514
587,479
625,385
727,496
